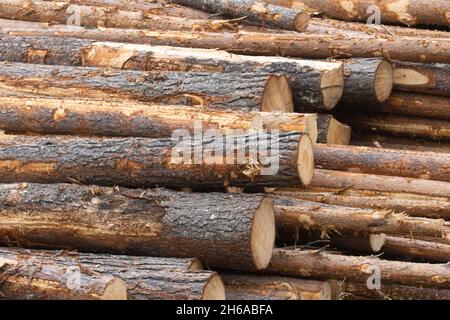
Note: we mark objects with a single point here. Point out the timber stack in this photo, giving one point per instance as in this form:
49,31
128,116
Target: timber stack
227,149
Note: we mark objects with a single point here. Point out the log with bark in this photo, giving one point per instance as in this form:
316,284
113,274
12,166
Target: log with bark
371,243
202,161
324,265
331,131
255,11
154,222
258,287
146,278
316,85
245,91
294,44
390,162
417,249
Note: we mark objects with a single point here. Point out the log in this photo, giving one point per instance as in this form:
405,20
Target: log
143,222
202,162
331,131
371,243
324,265
417,249
25,275
294,44
294,214
423,78
236,90
367,80
358,181
258,287
390,162
399,125
36,114
146,278
316,85
255,11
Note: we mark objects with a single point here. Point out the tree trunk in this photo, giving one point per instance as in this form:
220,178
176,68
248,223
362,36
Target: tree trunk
417,249
146,278
236,90
294,44
257,287
203,162
412,164
316,85
325,265
255,11
367,81
331,131
371,243
28,275
144,222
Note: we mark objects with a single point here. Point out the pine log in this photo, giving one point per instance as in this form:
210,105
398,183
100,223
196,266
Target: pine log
209,161
147,278
358,181
316,85
25,275
144,222
390,162
417,249
331,131
371,243
244,91
294,214
257,287
294,44
323,265
255,11
367,80
399,125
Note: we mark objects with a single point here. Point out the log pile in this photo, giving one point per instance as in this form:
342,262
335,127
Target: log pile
210,150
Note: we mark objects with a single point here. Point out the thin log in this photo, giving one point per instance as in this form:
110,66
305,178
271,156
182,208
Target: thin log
417,249
331,131
371,243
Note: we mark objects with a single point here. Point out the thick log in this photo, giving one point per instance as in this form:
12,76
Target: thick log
417,249
316,85
390,162
146,278
294,44
371,243
236,90
358,181
203,162
398,125
257,287
331,131
144,222
367,80
26,275
255,11
323,265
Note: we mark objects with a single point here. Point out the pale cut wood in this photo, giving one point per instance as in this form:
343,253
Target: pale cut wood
417,249
371,243
331,131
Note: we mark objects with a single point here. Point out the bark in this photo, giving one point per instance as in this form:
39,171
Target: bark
144,222
417,249
203,162
390,162
331,131
257,287
256,11
366,81
316,85
147,278
423,78
399,125
325,265
364,244
27,275
358,181
244,91
294,44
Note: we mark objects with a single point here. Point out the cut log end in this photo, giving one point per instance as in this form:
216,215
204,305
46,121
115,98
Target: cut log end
332,85
263,234
214,289
116,290
301,21
311,128
384,81
196,265
278,95
377,241
305,160
338,133
326,293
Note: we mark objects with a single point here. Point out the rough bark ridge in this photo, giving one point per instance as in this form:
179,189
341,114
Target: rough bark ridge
418,249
